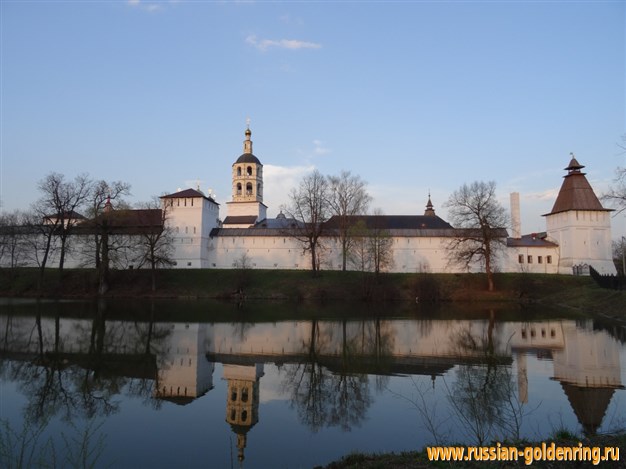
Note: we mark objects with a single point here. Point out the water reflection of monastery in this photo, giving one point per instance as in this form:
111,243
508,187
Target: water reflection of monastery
180,357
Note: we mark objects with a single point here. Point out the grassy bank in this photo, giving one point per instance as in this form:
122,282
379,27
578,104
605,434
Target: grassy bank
576,293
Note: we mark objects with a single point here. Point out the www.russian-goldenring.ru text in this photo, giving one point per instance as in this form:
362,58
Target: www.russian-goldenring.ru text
529,454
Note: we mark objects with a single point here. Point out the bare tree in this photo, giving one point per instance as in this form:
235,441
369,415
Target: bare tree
619,253
347,197
100,193
12,239
59,203
480,221
616,194
156,241
380,244
309,207
371,244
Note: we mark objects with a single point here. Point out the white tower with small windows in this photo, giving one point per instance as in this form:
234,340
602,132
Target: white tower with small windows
242,404
580,225
246,207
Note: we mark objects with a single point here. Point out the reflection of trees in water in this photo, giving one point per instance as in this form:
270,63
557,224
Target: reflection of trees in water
331,387
483,399
325,399
483,396
61,380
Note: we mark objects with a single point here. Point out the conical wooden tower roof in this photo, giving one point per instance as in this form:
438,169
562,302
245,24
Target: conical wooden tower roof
576,192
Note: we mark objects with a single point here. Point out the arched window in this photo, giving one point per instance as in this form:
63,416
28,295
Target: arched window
249,189
233,396
249,170
258,188
239,171
238,188
244,395
244,415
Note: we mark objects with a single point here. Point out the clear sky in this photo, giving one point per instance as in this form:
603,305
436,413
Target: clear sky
411,96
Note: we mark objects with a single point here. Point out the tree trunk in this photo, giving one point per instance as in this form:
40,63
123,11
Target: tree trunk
103,286
313,258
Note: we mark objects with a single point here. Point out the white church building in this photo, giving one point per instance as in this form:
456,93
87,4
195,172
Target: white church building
578,231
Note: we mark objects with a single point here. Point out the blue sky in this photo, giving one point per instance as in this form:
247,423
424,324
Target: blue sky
412,96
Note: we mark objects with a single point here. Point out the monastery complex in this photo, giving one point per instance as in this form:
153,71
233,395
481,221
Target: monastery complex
578,231
577,235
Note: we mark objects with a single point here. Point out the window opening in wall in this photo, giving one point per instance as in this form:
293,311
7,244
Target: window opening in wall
530,259
233,414
520,258
539,259
188,264
178,202
238,188
233,395
244,395
185,202
244,415
549,259
192,202
249,189
239,171
194,230
258,189
249,170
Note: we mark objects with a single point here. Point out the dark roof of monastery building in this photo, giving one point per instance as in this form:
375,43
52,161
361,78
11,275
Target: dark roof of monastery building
248,158
189,194
68,214
394,225
394,222
125,221
240,220
576,192
531,240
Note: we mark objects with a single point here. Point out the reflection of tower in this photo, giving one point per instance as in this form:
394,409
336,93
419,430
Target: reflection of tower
184,373
242,401
588,369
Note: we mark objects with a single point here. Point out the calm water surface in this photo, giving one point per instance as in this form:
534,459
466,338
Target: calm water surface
198,384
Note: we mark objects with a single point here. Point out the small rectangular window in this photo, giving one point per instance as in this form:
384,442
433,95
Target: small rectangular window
188,264
549,259
530,259
520,258
539,259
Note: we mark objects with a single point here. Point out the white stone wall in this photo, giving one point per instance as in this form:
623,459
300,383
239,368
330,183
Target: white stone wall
191,221
532,259
584,237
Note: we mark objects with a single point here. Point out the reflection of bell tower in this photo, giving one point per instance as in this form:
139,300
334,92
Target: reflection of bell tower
242,401
246,207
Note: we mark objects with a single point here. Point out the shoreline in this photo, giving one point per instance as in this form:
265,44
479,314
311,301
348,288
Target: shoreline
580,294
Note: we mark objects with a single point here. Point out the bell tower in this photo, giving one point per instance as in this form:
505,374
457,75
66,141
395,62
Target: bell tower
242,404
247,174
246,207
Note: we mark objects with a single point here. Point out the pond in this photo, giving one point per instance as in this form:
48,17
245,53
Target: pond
205,384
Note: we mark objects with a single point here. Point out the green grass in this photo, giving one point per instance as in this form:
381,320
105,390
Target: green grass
579,294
